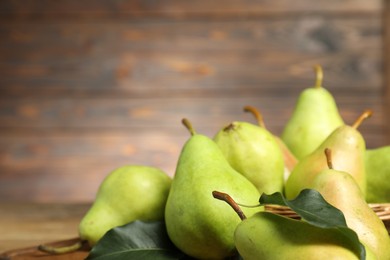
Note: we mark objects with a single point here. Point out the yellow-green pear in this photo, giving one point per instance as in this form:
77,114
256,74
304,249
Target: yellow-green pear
314,117
253,151
198,224
347,145
340,189
129,193
377,163
290,160
269,236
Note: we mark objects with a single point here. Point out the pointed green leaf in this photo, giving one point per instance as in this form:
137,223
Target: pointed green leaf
314,209
136,240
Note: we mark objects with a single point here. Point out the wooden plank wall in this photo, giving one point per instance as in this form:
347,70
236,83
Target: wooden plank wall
88,86
386,70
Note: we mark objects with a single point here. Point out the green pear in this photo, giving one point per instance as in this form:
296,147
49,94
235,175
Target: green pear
266,235
253,151
289,158
341,190
314,117
127,194
270,236
377,163
196,223
347,145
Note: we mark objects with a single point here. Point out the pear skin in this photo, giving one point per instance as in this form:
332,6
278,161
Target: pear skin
290,161
314,117
377,162
253,151
288,157
198,224
341,190
128,193
348,147
270,236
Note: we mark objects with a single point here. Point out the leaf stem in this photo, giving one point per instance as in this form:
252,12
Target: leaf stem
249,206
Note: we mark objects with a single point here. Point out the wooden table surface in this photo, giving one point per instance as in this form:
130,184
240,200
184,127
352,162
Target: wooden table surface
26,225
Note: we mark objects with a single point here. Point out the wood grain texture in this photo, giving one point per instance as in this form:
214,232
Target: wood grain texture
29,224
107,9
386,70
87,86
190,57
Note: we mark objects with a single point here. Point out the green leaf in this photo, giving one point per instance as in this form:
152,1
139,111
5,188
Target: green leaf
136,240
314,209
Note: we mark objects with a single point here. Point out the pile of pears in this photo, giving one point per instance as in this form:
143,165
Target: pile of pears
316,150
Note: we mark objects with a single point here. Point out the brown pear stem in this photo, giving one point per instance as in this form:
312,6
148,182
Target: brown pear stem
229,127
257,114
61,250
188,125
328,154
229,200
366,114
319,75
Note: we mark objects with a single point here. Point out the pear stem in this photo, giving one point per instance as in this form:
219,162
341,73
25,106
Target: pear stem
229,127
188,125
229,200
257,114
328,154
366,114
61,250
319,76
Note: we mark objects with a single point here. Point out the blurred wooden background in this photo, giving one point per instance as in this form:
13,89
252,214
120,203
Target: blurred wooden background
88,86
